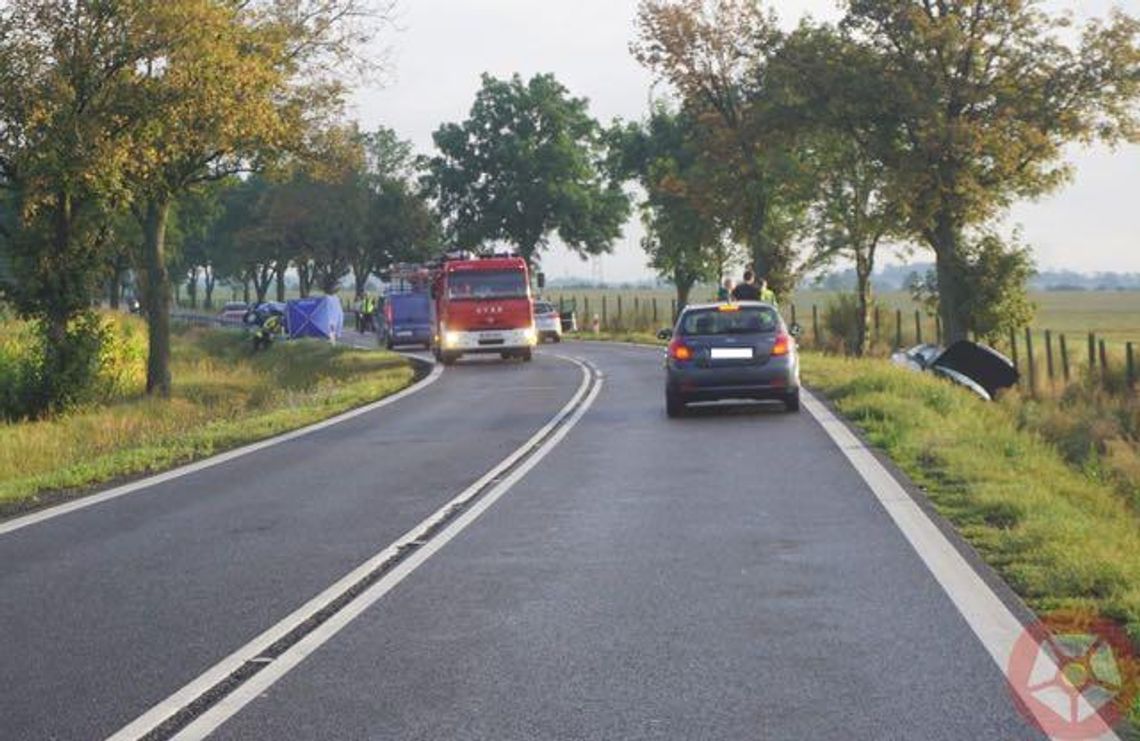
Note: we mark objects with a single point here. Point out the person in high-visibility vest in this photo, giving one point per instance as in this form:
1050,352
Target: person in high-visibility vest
767,295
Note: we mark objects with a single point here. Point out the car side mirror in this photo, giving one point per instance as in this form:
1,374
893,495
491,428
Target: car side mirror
540,278
665,334
795,330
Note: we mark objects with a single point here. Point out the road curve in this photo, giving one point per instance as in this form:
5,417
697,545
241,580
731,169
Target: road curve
726,575
107,610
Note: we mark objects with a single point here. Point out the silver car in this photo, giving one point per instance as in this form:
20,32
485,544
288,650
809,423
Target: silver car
547,322
731,351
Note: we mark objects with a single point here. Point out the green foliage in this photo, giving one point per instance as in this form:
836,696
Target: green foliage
993,296
684,243
527,163
988,95
716,54
844,323
101,358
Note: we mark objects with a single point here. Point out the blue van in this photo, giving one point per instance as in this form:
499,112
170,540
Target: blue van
407,319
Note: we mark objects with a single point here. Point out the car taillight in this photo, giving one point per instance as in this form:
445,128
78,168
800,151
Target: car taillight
783,344
678,350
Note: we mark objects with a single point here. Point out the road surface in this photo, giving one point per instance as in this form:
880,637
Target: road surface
727,575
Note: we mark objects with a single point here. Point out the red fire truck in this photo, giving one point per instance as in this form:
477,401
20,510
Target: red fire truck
482,304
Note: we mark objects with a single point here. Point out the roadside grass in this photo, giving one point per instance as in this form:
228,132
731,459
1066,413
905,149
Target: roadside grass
223,397
1060,538
640,338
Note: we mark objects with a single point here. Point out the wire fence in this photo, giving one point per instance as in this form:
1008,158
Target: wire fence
1044,358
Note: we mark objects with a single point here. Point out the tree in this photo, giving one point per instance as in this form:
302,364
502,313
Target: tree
995,275
63,151
526,164
685,244
715,54
990,94
835,93
231,85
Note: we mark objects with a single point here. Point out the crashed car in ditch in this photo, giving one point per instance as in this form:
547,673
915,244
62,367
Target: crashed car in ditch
980,368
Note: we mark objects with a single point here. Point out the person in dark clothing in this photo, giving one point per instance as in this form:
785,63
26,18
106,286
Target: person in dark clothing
747,291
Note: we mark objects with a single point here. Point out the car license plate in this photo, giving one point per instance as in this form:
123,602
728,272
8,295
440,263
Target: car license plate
404,333
491,336
732,353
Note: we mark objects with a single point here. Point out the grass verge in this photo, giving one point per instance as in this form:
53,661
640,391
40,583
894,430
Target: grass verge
1060,538
223,397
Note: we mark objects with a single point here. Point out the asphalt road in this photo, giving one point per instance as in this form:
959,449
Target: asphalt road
726,575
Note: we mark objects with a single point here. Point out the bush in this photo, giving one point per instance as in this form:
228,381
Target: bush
100,359
841,323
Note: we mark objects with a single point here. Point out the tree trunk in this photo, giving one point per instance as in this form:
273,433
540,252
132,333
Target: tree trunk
304,279
684,288
863,267
115,287
360,281
261,283
192,287
208,274
280,278
157,297
947,244
245,290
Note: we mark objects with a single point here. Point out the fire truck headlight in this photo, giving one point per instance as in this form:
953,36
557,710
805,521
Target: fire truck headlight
450,339
530,335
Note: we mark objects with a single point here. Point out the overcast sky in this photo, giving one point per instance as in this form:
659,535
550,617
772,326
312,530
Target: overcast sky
443,46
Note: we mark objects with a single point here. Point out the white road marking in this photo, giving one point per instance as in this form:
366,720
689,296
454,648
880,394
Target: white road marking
176,473
233,702
992,622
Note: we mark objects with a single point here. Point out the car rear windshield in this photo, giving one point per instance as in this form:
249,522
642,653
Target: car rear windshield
541,308
475,284
744,320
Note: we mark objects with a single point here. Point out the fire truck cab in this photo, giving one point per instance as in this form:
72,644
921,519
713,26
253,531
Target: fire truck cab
482,304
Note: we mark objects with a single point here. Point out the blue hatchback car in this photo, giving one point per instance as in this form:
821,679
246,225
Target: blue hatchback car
731,351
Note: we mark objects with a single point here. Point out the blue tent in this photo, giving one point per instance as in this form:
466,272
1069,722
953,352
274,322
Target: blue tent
316,316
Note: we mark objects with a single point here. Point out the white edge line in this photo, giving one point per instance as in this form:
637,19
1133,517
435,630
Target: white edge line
34,518
169,707
988,617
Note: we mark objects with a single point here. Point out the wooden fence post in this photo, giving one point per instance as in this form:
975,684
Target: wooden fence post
1103,362
1131,367
1064,360
793,313
605,318
1013,350
938,328
619,323
815,326
586,313
1092,352
1049,355
673,309
876,324
917,327
1031,361
654,312
898,329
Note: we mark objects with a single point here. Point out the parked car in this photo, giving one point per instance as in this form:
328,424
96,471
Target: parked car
731,351
547,322
980,368
233,312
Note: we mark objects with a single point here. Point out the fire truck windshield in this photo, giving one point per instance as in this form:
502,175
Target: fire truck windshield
480,284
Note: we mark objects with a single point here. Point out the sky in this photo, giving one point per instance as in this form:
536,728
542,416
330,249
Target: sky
440,48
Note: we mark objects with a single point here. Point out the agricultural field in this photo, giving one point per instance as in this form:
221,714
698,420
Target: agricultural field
1112,315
